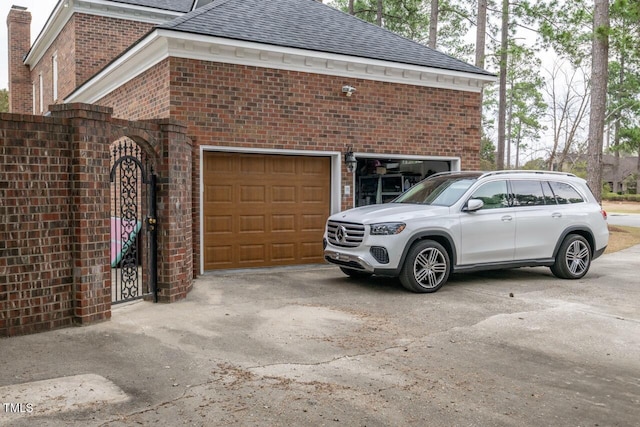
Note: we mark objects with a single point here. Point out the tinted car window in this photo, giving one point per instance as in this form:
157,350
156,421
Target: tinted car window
565,194
527,193
549,198
493,195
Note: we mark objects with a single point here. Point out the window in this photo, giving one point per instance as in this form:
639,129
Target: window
54,68
33,97
527,193
41,94
565,194
492,194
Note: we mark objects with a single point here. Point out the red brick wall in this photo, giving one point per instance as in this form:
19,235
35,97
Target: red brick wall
86,44
20,83
145,97
99,39
36,271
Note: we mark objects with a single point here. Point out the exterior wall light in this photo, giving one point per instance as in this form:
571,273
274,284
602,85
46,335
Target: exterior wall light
348,90
350,160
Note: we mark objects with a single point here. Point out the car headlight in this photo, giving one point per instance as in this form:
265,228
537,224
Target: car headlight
387,228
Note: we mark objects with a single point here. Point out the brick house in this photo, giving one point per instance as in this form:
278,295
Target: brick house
272,94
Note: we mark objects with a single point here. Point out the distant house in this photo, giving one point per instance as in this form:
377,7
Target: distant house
620,172
274,94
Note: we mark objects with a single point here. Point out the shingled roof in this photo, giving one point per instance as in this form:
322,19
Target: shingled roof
183,6
309,25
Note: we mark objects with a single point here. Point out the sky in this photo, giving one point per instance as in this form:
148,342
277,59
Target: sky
40,11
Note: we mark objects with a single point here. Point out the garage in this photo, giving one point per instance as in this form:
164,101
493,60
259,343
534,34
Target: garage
263,210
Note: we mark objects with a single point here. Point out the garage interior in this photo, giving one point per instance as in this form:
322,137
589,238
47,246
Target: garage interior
380,180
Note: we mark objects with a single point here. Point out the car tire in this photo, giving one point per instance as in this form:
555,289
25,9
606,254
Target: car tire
426,267
355,274
573,258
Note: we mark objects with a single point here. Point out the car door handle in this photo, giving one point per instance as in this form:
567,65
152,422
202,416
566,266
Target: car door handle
556,215
506,218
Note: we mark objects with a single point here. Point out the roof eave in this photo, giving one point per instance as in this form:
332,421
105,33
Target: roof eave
163,43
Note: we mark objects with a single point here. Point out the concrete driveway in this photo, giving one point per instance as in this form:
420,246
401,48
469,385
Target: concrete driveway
308,346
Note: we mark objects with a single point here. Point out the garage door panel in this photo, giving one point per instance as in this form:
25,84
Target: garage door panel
268,210
251,224
283,223
283,194
283,252
218,224
252,164
251,253
282,165
219,193
253,194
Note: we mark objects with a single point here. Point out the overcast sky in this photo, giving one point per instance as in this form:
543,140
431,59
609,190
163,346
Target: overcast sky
40,11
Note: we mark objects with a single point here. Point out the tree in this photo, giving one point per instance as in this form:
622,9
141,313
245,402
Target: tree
502,102
433,24
567,91
599,75
524,102
4,101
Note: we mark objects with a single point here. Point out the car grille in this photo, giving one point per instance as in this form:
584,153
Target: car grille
345,234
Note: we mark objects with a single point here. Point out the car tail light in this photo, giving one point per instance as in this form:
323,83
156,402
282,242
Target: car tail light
604,214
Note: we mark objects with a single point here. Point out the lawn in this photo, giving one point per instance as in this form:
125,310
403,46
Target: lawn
622,237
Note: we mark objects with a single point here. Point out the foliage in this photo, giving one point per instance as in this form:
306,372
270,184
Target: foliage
4,101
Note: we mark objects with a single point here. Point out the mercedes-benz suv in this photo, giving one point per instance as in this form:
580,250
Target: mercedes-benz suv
470,221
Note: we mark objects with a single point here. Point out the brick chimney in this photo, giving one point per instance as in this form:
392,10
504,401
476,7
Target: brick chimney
19,37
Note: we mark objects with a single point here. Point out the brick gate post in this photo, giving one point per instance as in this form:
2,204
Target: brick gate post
89,175
175,249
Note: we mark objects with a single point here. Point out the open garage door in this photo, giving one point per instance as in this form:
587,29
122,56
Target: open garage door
263,210
380,180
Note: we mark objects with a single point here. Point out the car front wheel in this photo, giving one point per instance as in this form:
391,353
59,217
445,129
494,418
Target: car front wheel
573,259
426,268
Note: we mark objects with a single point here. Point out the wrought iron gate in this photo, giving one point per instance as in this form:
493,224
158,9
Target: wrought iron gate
133,236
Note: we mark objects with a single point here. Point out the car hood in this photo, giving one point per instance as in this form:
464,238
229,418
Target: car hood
388,212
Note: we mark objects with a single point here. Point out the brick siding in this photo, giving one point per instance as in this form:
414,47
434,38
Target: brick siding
36,270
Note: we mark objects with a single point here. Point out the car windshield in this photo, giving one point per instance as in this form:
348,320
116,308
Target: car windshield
441,190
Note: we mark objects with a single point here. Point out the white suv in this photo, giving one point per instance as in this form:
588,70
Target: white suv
470,221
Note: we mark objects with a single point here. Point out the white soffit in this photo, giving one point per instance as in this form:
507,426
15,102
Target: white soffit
163,43
66,8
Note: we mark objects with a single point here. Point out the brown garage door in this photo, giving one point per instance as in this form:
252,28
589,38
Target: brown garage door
264,210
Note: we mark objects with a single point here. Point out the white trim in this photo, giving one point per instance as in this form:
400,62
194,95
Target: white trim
163,43
336,177
61,15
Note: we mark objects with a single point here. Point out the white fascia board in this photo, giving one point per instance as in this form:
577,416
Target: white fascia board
216,49
163,43
61,15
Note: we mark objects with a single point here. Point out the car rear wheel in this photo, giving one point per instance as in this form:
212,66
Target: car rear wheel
426,268
356,274
573,259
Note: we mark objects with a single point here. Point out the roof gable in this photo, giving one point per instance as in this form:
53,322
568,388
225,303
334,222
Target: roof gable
310,25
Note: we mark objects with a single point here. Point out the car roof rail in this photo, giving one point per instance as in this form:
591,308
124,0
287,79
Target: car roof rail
520,171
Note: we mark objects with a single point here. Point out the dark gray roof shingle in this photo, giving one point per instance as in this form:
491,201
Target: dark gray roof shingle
183,6
310,25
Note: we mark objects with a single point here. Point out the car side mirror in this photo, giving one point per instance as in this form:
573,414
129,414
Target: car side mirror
473,205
